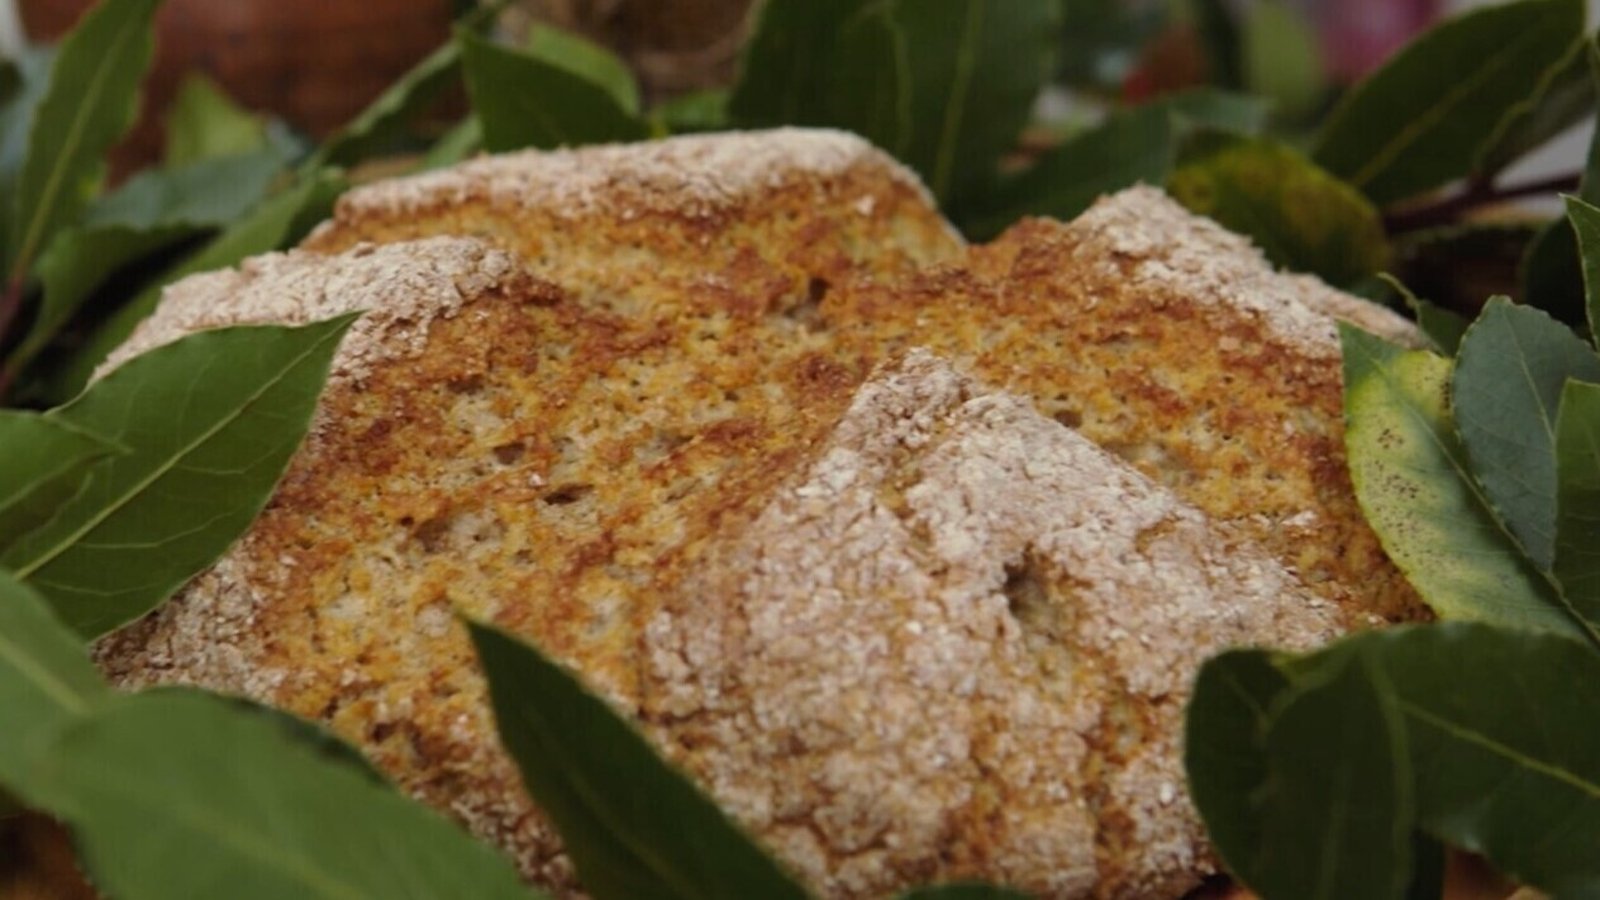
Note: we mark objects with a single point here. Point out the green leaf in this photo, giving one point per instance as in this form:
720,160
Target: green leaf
1225,751
1553,275
963,892
633,826
1504,395
47,461
526,102
46,679
1129,148
1585,219
976,68
1219,33
211,192
1502,742
455,145
1282,58
694,112
182,794
787,74
90,102
151,212
1440,326
378,125
1300,216
210,422
1424,118
1338,789
277,222
204,123
1218,110
1411,477
587,60
871,80
1565,96
1577,447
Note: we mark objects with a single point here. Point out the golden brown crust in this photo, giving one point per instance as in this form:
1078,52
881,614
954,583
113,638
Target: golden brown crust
585,448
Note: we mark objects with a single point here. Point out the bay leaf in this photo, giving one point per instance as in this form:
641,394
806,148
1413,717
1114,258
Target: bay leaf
32,68
462,141
178,793
633,825
1505,391
1338,789
90,101
1301,217
1577,544
975,69
1225,751
522,101
1424,118
695,111
46,462
785,75
276,222
46,678
1442,327
1132,147
209,423
870,89
378,124
587,60
1585,223
1414,483
205,123
1565,96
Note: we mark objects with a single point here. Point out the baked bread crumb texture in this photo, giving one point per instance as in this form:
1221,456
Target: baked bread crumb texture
906,550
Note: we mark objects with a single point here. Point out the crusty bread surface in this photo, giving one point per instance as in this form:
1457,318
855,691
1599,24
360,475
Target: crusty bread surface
907,551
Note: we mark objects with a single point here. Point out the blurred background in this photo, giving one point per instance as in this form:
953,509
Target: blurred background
313,63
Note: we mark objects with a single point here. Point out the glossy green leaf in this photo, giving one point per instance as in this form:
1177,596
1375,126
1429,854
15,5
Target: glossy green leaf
91,99
1282,58
1424,118
1129,148
211,192
209,423
786,77
277,222
32,67
1300,216
633,826
46,462
46,679
151,212
1414,484
871,89
1501,735
1336,808
377,126
587,60
522,101
182,794
1577,447
204,123
1564,97
695,111
460,142
1506,388
1585,222
963,892
1440,326
975,69
1225,752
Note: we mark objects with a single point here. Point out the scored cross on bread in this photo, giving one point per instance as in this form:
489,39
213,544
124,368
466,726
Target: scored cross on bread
591,382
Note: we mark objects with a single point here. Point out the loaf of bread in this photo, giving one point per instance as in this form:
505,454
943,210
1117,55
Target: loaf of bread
907,551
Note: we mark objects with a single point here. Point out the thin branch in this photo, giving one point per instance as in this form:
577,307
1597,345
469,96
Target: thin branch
1478,193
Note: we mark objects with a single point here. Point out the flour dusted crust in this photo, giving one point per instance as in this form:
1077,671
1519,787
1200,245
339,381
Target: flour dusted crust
717,419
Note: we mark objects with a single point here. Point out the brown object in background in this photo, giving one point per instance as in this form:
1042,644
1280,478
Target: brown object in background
36,861
314,63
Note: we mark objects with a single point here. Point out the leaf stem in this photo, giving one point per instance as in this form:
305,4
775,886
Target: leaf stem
1477,193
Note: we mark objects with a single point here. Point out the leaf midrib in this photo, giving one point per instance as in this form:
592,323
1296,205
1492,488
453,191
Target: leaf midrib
83,112
1510,754
955,110
1414,131
112,508
58,690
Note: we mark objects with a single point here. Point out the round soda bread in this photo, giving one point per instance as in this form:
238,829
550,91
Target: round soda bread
906,551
